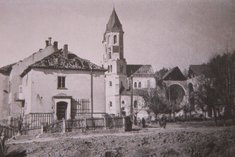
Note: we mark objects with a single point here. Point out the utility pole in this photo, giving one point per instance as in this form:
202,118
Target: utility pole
91,93
131,87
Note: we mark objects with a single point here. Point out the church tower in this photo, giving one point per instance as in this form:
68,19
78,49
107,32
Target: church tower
115,63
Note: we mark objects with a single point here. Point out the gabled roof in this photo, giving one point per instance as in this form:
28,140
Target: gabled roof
174,74
58,60
139,70
114,24
6,70
196,70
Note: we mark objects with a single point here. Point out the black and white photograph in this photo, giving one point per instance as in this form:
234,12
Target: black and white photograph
117,78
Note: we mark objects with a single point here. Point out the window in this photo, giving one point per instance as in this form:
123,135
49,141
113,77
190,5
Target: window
110,83
83,106
110,56
115,39
111,68
110,104
135,85
61,82
123,102
135,104
148,83
139,85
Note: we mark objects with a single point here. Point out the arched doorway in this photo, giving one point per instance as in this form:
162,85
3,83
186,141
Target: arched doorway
175,95
61,110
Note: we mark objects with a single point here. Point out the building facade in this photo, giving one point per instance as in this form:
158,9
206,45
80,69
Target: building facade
53,81
57,81
122,80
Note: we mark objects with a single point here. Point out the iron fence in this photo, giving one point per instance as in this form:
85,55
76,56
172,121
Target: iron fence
8,131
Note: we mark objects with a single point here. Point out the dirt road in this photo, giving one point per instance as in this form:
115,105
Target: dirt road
174,141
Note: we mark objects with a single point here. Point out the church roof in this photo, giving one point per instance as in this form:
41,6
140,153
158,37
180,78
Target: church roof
6,70
114,24
58,60
139,92
139,70
174,74
197,70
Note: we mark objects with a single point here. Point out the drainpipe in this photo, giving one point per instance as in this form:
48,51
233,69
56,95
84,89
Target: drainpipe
91,93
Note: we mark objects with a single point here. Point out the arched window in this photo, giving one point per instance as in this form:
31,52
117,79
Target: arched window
111,68
110,83
139,85
135,85
123,102
135,104
115,39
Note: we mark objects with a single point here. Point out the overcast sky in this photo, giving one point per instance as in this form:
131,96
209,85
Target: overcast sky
164,33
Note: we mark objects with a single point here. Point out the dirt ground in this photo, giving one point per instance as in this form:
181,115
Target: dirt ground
177,140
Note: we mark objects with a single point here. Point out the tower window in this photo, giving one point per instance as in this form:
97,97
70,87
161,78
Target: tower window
61,82
139,85
123,102
110,56
111,68
115,39
110,83
135,85
135,104
110,104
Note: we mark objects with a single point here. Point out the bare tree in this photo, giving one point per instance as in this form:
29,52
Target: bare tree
222,68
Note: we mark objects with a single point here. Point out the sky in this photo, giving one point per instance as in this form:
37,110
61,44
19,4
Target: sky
163,33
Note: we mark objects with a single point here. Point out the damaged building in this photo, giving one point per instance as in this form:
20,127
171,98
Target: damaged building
52,81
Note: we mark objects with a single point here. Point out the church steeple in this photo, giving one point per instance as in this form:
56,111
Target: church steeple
115,63
114,24
113,42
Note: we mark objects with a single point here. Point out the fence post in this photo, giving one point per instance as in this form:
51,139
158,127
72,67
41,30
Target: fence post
9,120
124,123
114,122
85,124
42,128
63,125
105,123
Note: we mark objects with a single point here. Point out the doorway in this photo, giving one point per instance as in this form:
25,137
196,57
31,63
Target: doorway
61,110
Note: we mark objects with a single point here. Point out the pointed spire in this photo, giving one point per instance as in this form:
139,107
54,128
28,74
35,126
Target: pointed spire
114,25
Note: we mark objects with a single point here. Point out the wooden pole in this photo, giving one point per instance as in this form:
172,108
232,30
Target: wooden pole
91,93
131,86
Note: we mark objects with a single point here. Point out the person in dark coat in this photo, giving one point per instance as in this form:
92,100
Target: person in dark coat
162,121
143,123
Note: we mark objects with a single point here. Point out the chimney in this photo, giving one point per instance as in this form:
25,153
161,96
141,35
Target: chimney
65,51
55,45
49,39
47,43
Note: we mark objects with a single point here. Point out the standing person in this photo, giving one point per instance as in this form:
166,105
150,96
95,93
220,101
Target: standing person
2,144
162,121
143,123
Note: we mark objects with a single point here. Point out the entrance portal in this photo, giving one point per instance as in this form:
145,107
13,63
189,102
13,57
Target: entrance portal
61,110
